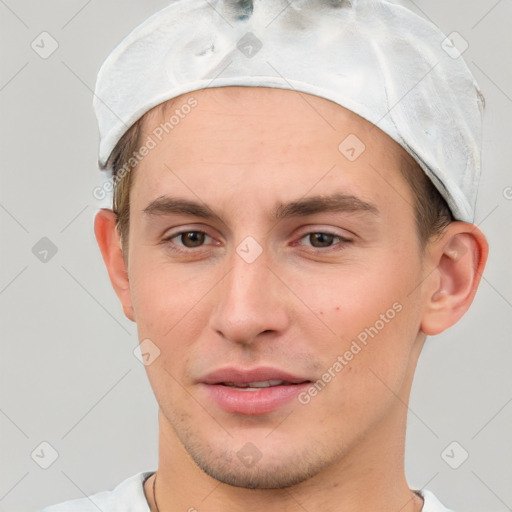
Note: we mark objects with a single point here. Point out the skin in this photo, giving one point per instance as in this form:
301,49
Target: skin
297,307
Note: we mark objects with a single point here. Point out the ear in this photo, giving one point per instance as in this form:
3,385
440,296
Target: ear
107,236
458,258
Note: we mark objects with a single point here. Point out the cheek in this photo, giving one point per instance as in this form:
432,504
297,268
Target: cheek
365,368
349,298
368,316
166,299
170,311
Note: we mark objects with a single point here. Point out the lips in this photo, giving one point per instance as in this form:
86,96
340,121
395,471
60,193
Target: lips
252,391
244,377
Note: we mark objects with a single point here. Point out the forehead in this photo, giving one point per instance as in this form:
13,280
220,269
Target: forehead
264,106
228,141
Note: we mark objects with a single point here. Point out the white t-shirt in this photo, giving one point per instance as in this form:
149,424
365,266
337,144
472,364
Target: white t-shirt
129,496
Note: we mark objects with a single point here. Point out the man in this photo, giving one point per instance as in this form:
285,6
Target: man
294,195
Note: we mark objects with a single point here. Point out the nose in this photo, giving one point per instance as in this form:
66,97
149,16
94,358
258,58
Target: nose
251,302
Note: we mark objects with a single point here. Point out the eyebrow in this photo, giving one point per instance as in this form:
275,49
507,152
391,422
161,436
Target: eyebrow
165,205
335,203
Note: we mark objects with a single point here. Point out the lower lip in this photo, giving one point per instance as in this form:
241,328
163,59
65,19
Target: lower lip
250,403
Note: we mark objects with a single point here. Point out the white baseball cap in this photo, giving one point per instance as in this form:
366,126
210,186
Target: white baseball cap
373,57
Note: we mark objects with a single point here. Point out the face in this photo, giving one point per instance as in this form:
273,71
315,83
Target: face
278,274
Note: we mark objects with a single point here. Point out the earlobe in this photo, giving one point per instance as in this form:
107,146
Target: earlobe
108,240
459,258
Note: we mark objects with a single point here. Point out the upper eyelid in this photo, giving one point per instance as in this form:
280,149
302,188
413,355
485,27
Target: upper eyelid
342,240
313,226
308,230
171,236
170,233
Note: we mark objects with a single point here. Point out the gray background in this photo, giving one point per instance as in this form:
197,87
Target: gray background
67,369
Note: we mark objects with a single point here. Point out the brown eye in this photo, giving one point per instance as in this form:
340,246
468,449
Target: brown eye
321,239
324,240
192,238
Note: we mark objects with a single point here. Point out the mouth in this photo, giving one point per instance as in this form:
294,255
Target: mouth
254,386
254,391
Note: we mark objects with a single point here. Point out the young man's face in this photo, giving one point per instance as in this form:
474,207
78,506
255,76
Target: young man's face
335,295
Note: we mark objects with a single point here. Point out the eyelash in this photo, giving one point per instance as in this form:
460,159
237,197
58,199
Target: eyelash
176,248
338,246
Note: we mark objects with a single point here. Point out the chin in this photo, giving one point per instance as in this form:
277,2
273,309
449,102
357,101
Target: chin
262,478
278,463
277,471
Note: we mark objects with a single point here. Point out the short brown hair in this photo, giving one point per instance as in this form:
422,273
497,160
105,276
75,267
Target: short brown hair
431,210
118,160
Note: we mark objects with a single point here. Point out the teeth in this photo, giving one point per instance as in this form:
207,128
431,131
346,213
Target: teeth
256,385
265,383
